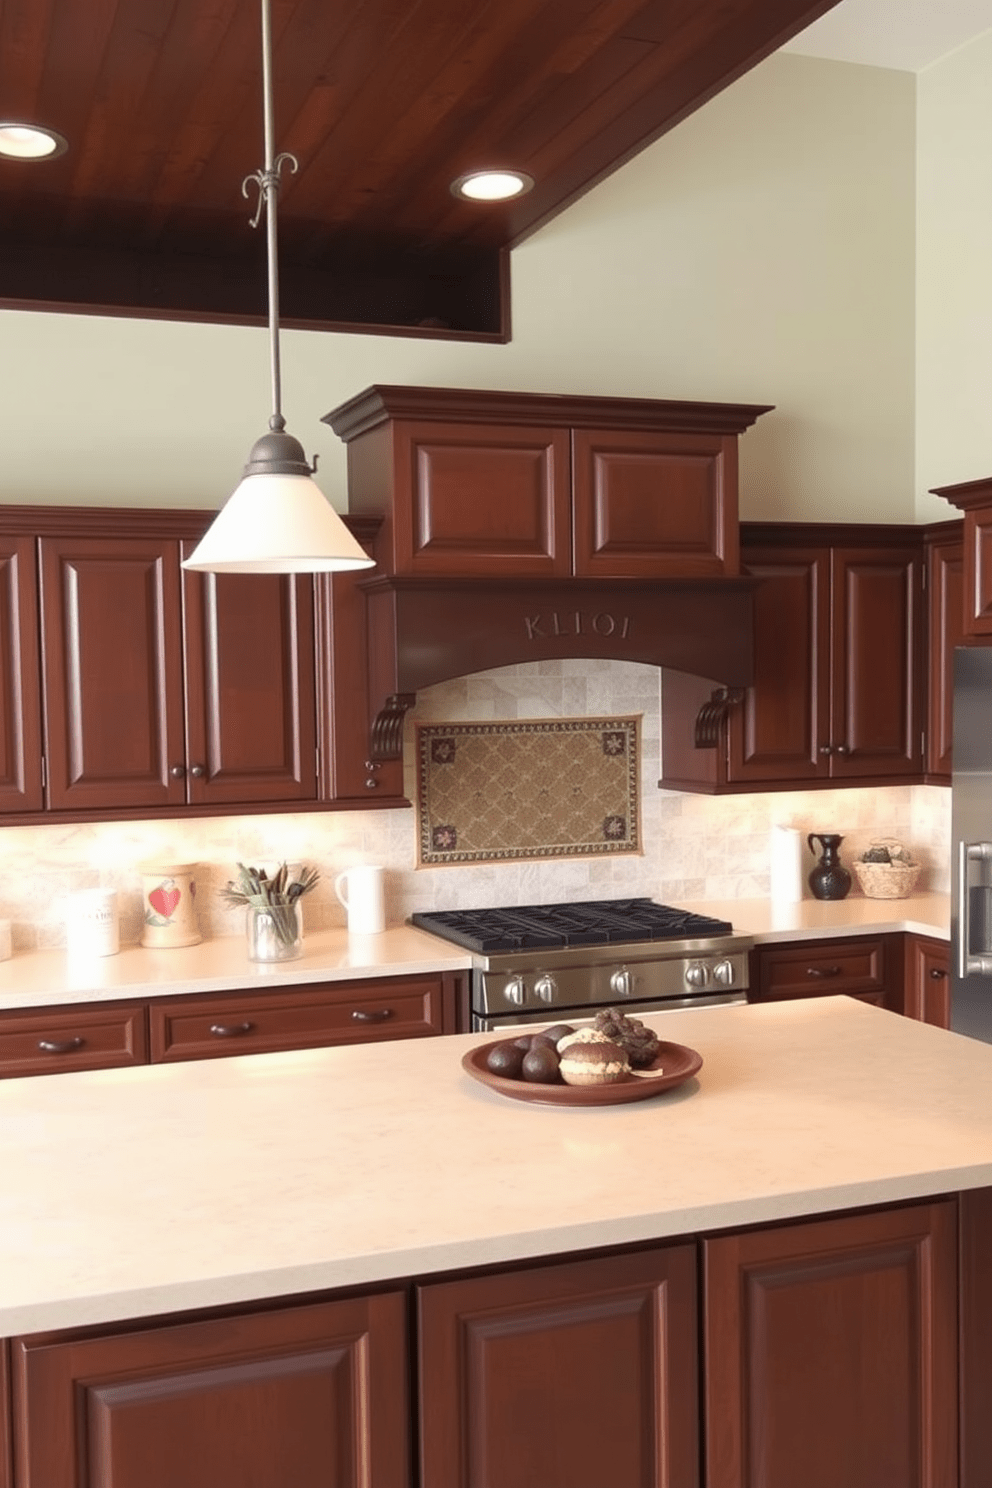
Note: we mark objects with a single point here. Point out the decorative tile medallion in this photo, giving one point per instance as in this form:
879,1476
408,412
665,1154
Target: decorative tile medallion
527,788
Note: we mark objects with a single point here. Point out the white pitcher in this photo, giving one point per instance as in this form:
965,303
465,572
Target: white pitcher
362,892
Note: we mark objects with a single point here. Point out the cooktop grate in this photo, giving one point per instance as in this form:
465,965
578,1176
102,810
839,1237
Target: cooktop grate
595,922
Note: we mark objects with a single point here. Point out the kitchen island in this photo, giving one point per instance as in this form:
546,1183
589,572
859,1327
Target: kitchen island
840,1150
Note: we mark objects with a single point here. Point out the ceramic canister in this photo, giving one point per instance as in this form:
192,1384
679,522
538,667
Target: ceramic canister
169,902
92,927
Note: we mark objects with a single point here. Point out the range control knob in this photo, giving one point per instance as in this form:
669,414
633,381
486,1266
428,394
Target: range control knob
723,972
697,974
514,990
545,988
622,983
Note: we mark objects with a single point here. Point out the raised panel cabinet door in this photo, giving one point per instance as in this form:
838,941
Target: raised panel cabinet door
112,646
250,688
20,678
305,1397
481,500
344,666
975,1210
776,733
877,715
945,622
978,571
576,1375
654,504
928,984
831,1353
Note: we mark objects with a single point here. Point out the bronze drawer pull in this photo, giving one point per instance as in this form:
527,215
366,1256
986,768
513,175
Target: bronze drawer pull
230,1030
823,971
359,1015
60,1046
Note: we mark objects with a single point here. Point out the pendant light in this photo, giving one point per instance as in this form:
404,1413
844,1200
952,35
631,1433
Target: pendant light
277,520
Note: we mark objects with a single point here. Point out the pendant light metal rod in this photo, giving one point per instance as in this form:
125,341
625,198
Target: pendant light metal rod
267,181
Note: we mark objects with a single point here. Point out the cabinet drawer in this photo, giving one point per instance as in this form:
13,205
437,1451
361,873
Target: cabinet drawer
296,1018
47,1041
821,969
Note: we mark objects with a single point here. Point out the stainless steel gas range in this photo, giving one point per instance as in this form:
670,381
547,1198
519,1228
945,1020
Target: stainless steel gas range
555,961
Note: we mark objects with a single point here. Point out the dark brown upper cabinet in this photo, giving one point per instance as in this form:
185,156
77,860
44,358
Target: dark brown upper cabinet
21,786
349,777
169,689
525,486
944,551
974,498
250,699
837,695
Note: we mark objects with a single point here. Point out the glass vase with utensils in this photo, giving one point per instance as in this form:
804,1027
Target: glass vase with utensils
274,919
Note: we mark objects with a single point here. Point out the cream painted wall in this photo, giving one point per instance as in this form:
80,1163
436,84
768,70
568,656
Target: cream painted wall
954,291
762,252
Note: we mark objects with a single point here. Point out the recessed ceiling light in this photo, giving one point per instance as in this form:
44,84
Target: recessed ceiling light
30,141
492,185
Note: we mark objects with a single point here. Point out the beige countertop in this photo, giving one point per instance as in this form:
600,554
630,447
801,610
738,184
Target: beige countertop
815,919
43,978
131,1192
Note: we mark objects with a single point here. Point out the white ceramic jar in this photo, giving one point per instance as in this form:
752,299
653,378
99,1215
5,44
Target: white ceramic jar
92,927
169,902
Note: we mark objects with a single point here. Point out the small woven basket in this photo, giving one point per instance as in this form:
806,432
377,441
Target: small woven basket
887,880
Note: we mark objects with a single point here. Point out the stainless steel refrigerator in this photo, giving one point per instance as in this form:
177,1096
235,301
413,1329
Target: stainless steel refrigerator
971,853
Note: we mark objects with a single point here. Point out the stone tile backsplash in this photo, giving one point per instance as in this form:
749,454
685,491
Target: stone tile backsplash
695,847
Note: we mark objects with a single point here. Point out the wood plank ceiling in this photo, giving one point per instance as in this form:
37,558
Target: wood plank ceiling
384,102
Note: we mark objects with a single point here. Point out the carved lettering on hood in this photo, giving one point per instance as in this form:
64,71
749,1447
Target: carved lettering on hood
577,623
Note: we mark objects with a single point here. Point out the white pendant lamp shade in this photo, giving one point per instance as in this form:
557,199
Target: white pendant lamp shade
278,519
277,524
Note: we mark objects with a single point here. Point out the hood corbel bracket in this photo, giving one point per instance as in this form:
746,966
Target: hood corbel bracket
387,727
711,715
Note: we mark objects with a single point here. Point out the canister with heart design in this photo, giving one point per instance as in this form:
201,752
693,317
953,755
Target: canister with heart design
169,902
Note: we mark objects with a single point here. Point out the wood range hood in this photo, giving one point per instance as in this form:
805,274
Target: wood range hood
516,527
423,632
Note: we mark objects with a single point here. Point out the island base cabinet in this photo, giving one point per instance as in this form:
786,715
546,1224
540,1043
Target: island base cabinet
305,1397
976,1338
831,1353
578,1375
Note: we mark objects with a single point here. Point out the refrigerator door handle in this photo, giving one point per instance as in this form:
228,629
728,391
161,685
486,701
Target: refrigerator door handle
969,965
